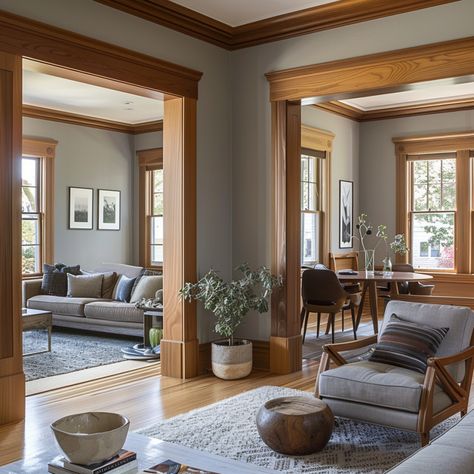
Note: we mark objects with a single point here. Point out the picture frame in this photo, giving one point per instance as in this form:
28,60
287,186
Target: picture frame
81,205
346,214
108,209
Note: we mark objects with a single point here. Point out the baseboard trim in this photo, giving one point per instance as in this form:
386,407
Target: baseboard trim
180,359
286,354
12,398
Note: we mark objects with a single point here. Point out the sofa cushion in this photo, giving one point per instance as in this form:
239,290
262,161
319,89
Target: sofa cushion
114,311
146,288
406,344
60,304
85,286
375,384
145,273
55,278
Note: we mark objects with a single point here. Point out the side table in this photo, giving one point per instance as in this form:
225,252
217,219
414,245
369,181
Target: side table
151,318
37,319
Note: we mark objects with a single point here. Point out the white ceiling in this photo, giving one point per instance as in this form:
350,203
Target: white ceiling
52,92
240,12
430,93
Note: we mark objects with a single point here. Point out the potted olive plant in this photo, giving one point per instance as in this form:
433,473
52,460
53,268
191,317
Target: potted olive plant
230,302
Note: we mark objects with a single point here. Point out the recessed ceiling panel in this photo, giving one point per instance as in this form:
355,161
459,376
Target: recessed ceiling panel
240,12
425,95
43,90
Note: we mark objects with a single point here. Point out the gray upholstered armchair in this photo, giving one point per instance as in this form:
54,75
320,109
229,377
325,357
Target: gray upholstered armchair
399,397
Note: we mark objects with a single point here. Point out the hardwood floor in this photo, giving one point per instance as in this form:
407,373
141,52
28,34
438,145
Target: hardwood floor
142,395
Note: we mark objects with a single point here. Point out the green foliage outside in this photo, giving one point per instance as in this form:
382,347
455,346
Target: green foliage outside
231,301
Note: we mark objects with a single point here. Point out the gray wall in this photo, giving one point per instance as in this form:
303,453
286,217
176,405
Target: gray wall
234,144
90,158
377,162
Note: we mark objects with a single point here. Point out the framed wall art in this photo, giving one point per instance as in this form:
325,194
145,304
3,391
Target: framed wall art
346,209
108,214
81,208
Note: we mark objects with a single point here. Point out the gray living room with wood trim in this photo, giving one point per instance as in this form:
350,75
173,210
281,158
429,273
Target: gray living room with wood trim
188,171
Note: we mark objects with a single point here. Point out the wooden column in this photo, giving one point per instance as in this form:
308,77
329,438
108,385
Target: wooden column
180,346
463,212
285,340
12,380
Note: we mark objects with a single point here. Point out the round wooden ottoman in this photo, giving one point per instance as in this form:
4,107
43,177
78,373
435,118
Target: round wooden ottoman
295,425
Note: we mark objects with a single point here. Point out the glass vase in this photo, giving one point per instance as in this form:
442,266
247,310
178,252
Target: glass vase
387,265
369,258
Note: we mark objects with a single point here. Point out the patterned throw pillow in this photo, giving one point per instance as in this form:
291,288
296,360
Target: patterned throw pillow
55,278
408,345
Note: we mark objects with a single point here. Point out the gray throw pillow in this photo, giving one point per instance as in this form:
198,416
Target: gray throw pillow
146,288
108,285
84,286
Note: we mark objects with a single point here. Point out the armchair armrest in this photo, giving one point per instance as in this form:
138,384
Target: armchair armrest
447,360
30,288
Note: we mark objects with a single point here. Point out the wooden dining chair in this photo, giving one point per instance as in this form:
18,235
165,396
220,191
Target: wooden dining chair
323,293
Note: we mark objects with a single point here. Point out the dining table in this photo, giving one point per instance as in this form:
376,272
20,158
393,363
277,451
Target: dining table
369,282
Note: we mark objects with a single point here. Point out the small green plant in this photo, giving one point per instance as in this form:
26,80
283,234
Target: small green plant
231,301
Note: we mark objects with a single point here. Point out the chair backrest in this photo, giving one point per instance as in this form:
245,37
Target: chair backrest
322,285
343,261
402,267
459,320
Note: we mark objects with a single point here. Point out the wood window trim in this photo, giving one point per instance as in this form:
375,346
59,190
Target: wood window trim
148,160
322,140
45,149
461,143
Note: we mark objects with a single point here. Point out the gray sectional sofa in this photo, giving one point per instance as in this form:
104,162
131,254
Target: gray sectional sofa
451,453
94,314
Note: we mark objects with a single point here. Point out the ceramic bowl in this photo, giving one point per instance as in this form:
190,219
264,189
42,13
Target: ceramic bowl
89,438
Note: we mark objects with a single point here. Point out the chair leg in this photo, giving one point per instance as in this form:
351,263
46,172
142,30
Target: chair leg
463,413
302,317
425,438
318,325
333,317
354,327
342,322
305,325
328,324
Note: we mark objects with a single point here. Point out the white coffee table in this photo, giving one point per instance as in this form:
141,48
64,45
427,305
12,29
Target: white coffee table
149,451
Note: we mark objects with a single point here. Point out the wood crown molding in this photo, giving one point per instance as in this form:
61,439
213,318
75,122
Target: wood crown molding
434,143
437,107
375,73
289,25
46,43
42,113
316,139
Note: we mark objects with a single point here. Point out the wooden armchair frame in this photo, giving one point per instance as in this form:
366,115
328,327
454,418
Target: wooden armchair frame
436,373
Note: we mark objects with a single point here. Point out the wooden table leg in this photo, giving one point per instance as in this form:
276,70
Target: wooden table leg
374,305
50,329
361,306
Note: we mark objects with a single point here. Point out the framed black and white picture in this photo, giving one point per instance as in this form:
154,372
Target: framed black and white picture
108,215
346,207
80,208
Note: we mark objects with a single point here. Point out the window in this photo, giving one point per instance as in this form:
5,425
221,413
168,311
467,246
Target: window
310,209
435,201
151,207
433,211
316,149
37,171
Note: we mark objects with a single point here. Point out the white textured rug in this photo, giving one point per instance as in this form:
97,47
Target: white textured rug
228,429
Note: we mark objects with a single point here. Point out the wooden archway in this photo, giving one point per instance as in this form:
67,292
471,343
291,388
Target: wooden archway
376,73
24,38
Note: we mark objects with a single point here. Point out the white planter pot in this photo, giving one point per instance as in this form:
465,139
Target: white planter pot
231,362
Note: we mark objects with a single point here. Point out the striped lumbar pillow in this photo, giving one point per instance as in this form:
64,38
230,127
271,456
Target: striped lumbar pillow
406,344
